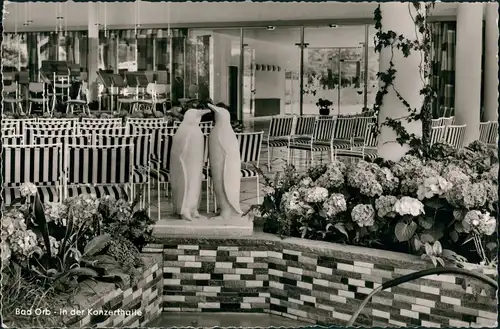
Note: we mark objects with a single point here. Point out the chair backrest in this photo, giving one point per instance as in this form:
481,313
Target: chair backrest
493,133
142,146
153,125
145,121
484,131
454,135
48,124
98,164
10,89
97,125
345,128
250,146
324,129
62,139
437,134
37,164
160,148
28,133
361,124
102,121
69,121
102,130
11,128
447,121
280,126
437,122
304,125
20,123
370,138
13,139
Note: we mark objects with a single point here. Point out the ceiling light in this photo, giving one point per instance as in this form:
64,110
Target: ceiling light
271,28
333,25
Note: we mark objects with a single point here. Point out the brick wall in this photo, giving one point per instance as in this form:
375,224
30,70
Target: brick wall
319,283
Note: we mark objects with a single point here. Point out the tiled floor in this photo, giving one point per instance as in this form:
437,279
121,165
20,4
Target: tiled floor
205,320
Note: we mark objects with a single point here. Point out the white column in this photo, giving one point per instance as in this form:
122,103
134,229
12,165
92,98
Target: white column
93,48
491,63
468,68
408,81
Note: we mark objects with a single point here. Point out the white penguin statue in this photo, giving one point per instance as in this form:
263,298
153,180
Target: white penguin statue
225,164
186,165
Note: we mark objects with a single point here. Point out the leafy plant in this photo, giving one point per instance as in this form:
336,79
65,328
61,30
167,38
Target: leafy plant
324,106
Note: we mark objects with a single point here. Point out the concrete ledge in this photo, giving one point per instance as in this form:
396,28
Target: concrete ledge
209,226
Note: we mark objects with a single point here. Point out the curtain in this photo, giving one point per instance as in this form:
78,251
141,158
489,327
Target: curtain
442,77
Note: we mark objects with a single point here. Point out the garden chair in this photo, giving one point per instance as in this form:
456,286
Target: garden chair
302,132
9,128
99,170
321,140
102,130
437,134
250,147
37,94
152,99
11,96
206,127
367,151
484,131
71,122
102,121
59,89
37,164
454,135
141,162
344,133
63,140
44,130
128,94
19,123
447,121
280,130
493,134
81,102
360,126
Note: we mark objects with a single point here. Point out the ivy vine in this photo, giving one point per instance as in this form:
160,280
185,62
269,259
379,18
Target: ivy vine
398,42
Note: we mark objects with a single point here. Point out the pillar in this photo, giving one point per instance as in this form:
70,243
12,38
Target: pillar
468,68
93,49
408,82
491,63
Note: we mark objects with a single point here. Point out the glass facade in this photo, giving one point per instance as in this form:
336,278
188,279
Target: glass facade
255,71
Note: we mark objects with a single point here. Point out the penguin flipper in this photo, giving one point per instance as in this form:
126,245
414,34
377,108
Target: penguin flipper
231,181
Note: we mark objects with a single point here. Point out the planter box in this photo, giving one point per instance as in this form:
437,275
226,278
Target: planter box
101,304
318,282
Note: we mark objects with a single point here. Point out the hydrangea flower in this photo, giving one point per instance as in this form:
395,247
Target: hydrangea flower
432,186
385,206
83,208
5,252
479,223
455,175
387,180
408,206
407,166
56,212
335,205
333,176
474,195
292,204
315,194
365,181
23,243
363,215
268,190
28,189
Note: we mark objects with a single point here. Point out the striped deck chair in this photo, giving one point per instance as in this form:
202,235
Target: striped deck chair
37,164
29,132
454,135
344,133
62,139
360,126
280,130
10,128
320,141
143,120
437,134
250,149
139,126
304,128
102,121
447,121
142,158
11,131
437,122
70,121
493,134
484,131
98,170
108,130
367,151
14,139
93,125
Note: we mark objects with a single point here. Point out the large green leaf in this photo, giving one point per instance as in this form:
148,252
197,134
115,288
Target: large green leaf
426,222
340,227
41,221
83,271
404,231
96,244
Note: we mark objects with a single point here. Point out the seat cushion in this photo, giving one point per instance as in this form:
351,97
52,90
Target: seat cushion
338,145
278,143
12,100
76,102
47,194
117,192
161,175
244,172
140,176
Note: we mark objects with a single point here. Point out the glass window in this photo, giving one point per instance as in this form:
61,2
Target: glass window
127,56
198,64
15,51
145,53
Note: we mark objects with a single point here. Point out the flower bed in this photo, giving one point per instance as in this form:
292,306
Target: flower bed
51,251
439,208
315,281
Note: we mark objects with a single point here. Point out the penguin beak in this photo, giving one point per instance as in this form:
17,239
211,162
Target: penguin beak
213,108
203,112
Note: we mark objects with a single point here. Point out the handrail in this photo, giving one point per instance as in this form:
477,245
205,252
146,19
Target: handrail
419,274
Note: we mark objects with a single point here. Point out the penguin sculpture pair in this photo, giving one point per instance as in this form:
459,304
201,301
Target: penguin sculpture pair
187,161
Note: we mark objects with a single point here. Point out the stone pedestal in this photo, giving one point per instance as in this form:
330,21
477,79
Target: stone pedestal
171,225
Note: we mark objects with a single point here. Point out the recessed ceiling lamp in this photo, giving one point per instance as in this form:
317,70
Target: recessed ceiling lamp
271,28
333,25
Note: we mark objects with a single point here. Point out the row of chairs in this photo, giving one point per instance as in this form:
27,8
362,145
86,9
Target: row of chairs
488,133
443,121
315,133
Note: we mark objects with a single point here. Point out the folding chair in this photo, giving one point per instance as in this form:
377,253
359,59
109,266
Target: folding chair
437,134
38,95
11,96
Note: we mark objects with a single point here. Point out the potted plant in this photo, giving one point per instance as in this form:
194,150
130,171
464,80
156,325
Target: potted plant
324,106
